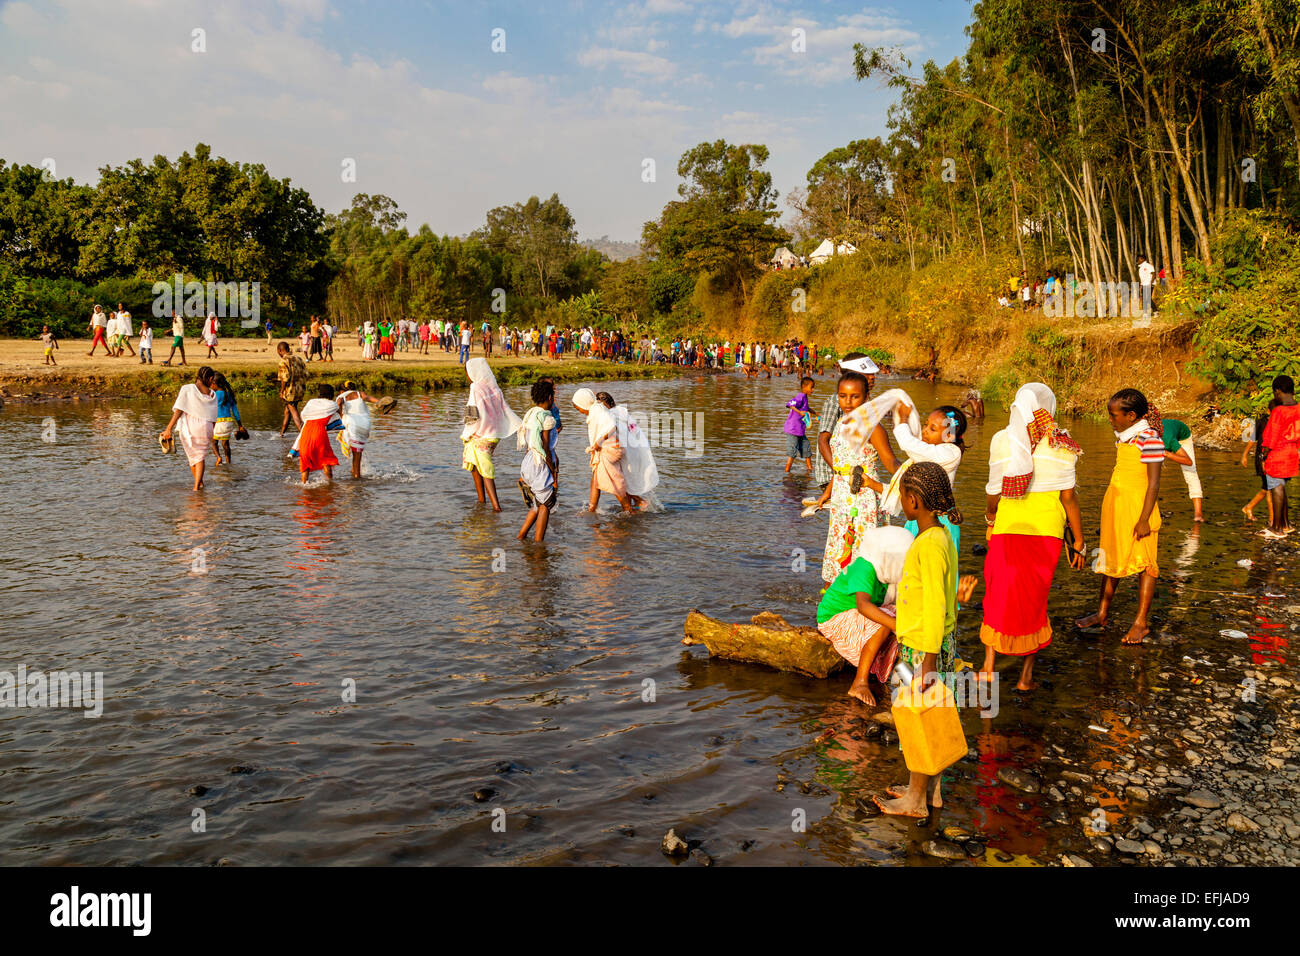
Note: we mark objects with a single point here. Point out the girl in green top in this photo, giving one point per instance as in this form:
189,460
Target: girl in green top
856,614
1180,450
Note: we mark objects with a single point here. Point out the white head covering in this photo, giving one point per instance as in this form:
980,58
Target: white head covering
600,421
1028,400
886,548
495,418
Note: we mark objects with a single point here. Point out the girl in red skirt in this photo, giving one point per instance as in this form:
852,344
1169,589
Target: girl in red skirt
313,445
1031,497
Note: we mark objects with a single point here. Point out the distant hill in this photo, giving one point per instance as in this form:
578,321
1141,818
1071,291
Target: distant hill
614,248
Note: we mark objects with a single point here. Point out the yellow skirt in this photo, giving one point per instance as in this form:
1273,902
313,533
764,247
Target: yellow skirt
1122,554
478,455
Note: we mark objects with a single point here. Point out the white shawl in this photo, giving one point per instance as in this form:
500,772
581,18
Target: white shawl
192,401
495,418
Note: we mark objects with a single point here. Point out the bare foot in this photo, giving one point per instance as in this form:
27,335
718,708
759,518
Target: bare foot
860,692
903,807
1249,513
900,790
1136,633
985,676
1032,685
1092,620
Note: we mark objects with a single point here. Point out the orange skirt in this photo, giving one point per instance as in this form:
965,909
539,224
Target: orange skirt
314,448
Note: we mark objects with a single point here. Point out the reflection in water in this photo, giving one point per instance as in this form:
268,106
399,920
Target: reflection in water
484,662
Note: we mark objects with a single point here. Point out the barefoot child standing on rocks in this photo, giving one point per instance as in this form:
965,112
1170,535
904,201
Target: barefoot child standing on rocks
856,614
1130,521
927,608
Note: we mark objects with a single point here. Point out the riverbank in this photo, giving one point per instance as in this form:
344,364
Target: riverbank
250,365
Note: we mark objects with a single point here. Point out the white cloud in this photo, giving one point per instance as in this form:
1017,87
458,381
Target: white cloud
630,62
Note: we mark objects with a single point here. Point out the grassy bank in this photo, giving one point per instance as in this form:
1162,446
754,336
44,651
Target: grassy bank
251,369
948,310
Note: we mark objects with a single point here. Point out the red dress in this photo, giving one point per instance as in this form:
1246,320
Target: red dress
314,448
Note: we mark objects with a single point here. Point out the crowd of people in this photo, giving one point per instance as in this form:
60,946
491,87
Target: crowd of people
890,562
205,417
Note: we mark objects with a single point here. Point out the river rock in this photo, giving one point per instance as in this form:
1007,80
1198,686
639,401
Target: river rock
1141,794
1202,799
1131,847
1019,779
1242,823
198,791
1076,777
673,845
944,850
702,858
484,794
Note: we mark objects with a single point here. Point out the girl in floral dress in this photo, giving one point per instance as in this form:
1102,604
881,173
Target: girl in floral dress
856,485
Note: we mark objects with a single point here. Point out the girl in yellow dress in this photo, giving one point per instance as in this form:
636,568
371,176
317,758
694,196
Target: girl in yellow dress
1130,520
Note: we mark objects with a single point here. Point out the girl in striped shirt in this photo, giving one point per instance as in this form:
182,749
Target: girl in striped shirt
1130,521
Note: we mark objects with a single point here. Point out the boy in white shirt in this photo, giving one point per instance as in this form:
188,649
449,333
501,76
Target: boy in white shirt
146,343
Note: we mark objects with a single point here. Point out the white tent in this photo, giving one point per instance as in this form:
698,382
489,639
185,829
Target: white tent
783,258
827,249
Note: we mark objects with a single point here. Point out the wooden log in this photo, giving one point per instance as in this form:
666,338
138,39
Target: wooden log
767,639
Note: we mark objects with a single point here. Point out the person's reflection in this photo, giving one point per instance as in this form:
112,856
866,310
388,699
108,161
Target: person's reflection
998,812
539,580
315,516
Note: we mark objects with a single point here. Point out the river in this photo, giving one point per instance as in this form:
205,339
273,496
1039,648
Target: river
523,672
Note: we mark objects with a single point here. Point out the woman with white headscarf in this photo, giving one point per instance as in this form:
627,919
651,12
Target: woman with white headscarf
638,464
856,614
1030,499
604,448
488,419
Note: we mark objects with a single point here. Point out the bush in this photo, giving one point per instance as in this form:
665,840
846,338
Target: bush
1248,328
1046,356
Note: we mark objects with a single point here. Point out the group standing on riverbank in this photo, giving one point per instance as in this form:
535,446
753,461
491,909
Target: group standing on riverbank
1032,513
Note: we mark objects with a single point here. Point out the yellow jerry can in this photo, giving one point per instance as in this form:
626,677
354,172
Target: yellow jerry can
928,726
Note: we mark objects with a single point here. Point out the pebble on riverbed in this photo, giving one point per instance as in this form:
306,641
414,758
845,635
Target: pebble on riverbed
1019,779
673,845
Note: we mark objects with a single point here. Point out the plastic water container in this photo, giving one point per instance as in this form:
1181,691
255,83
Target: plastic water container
928,726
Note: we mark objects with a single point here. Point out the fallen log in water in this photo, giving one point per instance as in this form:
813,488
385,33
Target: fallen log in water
768,639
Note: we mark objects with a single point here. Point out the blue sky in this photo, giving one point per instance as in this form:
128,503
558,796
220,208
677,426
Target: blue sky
414,94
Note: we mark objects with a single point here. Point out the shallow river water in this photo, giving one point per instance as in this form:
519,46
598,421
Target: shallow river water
483,664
